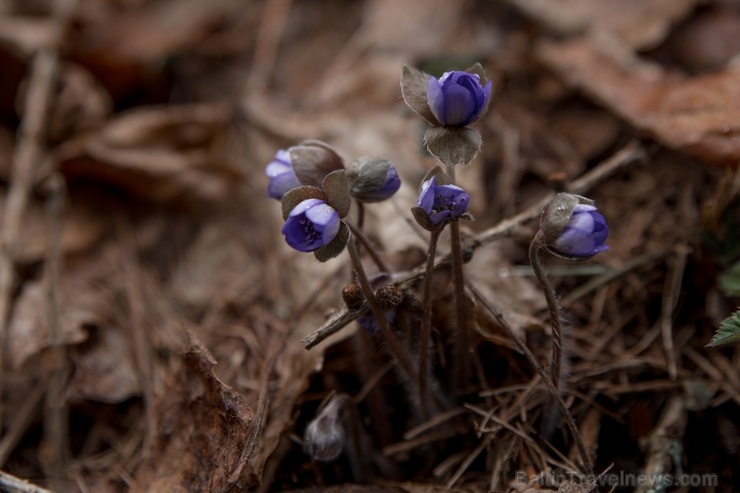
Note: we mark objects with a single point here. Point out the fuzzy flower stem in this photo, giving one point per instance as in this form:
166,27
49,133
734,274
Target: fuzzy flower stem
426,323
357,233
458,279
398,351
556,360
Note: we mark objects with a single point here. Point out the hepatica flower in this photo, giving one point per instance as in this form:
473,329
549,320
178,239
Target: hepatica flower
571,227
281,175
311,225
442,203
584,235
457,98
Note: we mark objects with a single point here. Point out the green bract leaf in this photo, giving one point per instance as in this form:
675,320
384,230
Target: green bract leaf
337,191
414,84
298,195
729,280
453,145
337,245
729,331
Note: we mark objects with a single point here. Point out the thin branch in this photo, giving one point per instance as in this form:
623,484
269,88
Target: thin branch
13,484
56,434
28,153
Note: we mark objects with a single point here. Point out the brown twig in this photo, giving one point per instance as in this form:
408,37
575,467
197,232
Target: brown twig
274,17
28,153
12,484
56,425
670,298
663,446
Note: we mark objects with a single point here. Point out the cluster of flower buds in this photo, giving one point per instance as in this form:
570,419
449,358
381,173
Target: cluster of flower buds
316,191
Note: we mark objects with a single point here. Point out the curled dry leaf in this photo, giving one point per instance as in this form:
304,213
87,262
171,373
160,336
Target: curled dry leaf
634,24
81,104
205,426
162,153
698,115
28,329
104,372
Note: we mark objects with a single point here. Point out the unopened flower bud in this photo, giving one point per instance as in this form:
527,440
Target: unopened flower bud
313,160
324,437
373,179
457,98
570,227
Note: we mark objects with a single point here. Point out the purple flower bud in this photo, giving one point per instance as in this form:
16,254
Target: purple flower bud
324,437
281,175
442,202
457,98
310,225
584,234
373,179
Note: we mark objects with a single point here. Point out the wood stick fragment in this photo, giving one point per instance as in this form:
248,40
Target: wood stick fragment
13,484
663,446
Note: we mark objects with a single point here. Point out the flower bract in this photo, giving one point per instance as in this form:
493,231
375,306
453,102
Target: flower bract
457,98
281,175
310,225
442,202
583,235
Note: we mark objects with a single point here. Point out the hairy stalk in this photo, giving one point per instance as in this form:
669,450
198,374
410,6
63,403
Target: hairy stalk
426,323
556,360
399,352
571,422
357,233
461,363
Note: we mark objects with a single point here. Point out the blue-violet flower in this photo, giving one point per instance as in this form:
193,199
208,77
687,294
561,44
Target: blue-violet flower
442,202
281,175
583,235
310,225
457,98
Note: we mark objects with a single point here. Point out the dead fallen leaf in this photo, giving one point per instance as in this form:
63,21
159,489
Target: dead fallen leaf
162,153
635,24
698,115
105,371
204,427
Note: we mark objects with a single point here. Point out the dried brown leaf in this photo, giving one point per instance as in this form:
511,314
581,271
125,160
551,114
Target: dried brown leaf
633,24
204,429
162,153
104,372
698,115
